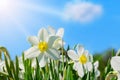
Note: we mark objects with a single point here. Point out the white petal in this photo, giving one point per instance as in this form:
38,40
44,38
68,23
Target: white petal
33,40
118,52
34,62
89,66
96,65
60,32
86,53
118,76
97,73
43,61
80,50
58,43
51,41
53,53
75,67
115,63
72,54
51,30
80,70
85,67
90,58
40,56
43,34
32,52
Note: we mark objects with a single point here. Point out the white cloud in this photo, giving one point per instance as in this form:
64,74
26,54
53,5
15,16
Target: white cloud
82,11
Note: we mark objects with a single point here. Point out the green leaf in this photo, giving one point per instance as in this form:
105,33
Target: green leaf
17,68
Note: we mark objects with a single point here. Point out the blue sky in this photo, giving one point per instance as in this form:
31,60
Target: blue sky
22,18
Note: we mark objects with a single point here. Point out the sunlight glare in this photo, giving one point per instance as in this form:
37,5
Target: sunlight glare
4,5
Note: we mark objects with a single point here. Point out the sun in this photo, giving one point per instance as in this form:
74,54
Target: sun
7,7
4,5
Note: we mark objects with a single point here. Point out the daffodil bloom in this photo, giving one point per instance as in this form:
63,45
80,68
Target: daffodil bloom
59,33
96,71
82,63
60,42
115,64
42,47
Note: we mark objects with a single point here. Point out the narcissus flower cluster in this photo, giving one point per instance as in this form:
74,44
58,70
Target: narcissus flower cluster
46,44
47,55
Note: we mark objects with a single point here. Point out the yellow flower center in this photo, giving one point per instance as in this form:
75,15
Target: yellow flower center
83,59
43,46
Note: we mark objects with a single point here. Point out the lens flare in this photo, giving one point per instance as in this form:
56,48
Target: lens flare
5,5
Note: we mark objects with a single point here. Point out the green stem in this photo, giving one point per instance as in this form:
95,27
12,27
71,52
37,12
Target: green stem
62,54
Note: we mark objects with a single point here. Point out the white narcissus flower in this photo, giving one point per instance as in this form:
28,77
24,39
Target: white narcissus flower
96,71
42,47
59,41
115,64
82,63
59,33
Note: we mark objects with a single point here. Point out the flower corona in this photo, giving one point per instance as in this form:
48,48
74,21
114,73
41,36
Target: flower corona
43,46
83,59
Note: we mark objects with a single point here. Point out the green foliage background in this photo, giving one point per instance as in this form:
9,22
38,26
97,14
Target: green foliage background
55,69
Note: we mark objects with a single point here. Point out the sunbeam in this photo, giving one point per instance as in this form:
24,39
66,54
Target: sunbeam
20,27
9,10
41,9
4,5
7,6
